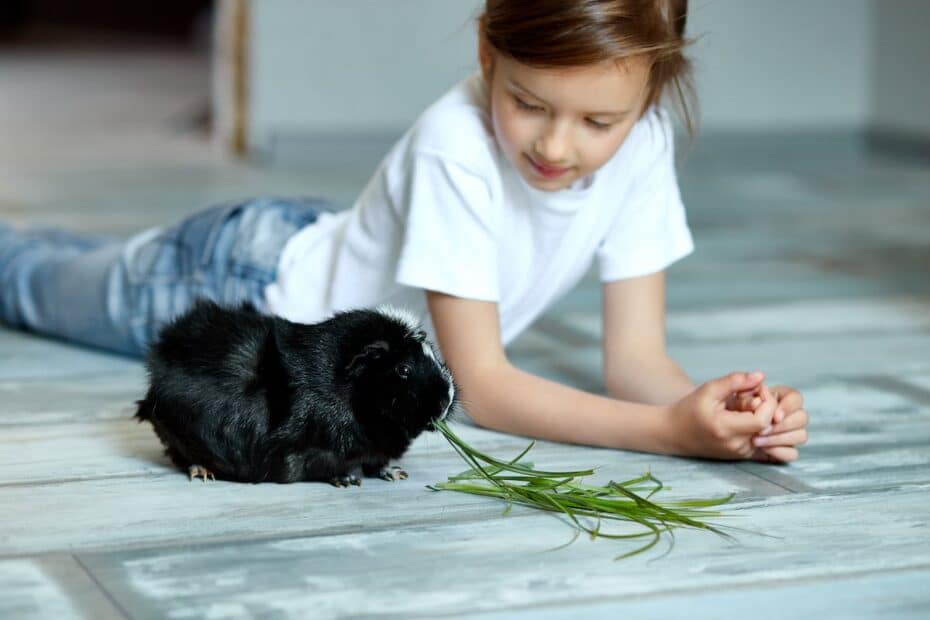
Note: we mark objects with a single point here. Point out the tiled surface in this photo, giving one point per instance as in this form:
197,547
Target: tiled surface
813,263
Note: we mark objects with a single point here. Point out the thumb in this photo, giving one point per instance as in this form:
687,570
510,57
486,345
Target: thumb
720,389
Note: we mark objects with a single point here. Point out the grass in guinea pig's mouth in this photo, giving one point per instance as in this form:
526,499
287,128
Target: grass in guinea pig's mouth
556,491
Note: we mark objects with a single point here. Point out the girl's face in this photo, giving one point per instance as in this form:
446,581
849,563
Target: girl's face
558,126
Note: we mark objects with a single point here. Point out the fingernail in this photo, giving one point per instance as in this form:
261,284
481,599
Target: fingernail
755,375
759,441
766,430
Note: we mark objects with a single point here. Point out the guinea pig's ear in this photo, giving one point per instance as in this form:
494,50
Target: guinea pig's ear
371,352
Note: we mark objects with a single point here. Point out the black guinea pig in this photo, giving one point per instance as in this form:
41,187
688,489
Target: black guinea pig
239,395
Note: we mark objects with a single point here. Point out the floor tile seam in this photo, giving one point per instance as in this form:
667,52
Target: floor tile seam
843,450
790,337
675,592
102,376
676,337
5,381
221,541
100,478
756,474
890,383
156,475
77,421
102,588
170,472
460,518
802,496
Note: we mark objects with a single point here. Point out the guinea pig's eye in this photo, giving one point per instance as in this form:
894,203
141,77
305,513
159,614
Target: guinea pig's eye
403,370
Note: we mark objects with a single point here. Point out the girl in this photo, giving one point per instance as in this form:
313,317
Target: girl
487,210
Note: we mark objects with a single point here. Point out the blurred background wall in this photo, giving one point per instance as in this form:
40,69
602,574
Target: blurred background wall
350,68
761,64
304,79
900,78
785,65
368,66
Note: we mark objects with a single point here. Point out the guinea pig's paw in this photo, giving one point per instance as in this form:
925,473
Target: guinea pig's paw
345,481
199,471
392,474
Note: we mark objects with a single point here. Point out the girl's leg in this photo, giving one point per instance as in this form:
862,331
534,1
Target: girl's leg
117,295
50,282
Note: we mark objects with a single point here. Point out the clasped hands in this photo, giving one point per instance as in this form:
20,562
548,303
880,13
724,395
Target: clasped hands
737,416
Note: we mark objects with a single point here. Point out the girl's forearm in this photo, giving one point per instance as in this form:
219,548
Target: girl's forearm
510,400
657,381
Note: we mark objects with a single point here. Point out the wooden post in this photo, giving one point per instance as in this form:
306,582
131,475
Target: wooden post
230,76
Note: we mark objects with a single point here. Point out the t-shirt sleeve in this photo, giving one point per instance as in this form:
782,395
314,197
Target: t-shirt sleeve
651,230
450,231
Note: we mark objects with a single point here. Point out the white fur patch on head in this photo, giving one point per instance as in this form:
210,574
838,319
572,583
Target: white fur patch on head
448,376
413,325
428,351
402,315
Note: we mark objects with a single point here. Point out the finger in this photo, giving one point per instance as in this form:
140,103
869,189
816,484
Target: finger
744,423
782,454
719,390
778,456
792,421
743,401
732,403
762,456
766,409
791,438
791,405
788,397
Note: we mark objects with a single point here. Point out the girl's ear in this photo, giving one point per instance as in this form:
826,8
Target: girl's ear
371,352
485,57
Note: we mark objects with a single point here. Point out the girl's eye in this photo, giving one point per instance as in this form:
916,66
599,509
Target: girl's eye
526,106
403,370
599,126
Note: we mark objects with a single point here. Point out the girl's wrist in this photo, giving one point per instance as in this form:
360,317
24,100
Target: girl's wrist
668,438
641,427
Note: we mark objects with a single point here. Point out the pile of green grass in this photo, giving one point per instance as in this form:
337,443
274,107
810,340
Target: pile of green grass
557,491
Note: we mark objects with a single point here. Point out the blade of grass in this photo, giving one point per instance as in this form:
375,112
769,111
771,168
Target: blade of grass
559,492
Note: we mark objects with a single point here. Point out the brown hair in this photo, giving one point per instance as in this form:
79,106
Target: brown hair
556,34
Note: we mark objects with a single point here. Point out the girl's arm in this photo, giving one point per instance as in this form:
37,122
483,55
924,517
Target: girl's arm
654,380
636,366
502,397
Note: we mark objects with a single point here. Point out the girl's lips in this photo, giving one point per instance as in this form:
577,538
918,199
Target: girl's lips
549,172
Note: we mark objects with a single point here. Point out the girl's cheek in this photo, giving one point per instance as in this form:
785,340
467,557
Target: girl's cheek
500,122
508,134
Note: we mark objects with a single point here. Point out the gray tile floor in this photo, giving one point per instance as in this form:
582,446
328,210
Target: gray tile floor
813,263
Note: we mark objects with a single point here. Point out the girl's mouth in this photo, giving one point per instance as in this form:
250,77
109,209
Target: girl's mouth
547,172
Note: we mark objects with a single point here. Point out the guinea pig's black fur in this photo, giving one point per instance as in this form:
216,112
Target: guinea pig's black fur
240,395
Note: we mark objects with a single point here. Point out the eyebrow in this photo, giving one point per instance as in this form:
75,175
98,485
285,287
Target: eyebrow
602,113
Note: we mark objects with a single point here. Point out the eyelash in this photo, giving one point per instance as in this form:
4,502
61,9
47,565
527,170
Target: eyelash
526,106
598,126
535,108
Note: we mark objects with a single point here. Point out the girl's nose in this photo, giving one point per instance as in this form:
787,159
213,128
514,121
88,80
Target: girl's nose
553,144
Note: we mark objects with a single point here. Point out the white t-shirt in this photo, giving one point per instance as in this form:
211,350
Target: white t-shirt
447,211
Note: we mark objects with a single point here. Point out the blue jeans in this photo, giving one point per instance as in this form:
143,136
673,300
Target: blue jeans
116,294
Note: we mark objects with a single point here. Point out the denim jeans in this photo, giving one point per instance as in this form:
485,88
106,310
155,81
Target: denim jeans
116,294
